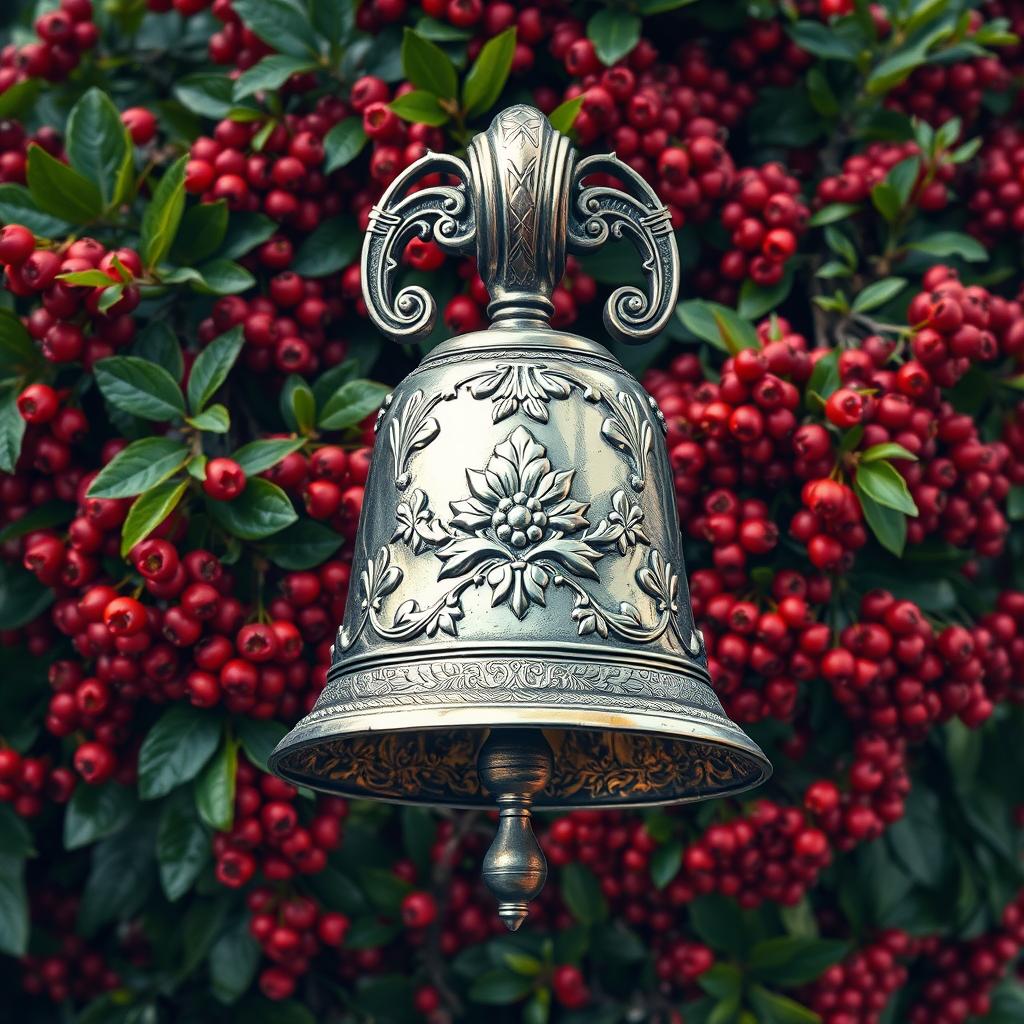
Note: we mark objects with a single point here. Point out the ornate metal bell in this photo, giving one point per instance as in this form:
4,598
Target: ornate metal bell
518,631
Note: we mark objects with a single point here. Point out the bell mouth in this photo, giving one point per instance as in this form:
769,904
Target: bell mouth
601,760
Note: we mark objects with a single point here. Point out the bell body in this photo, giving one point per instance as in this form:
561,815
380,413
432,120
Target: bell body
519,565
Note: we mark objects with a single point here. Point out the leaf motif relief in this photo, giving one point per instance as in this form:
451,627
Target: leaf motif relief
629,430
412,429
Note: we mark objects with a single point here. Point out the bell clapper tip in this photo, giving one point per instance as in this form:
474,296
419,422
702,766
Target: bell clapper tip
514,765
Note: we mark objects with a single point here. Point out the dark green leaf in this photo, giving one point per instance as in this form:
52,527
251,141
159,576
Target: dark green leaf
99,147
788,961
215,787
260,510
881,481
489,72
886,201
18,355
665,863
420,107
717,921
280,24
119,882
757,301
61,191
563,117
92,278
721,980
139,387
419,830
258,738
149,510
50,513
298,405
878,294
773,1008
832,213
500,988
15,838
22,596
207,94
614,33
615,943
330,248
140,466
258,456
19,97
903,177
214,419
222,277
95,812
427,66
887,450
14,921
18,207
582,894
202,232
823,98
176,748
182,846
212,367
234,959
303,545
270,73
334,19
384,889
245,232
12,431
343,143
888,525
951,243
718,325
351,404
163,214
823,41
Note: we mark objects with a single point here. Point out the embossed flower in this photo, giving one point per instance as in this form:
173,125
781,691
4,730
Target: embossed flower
511,386
629,516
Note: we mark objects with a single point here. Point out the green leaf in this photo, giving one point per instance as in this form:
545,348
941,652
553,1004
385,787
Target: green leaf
303,545
14,917
176,748
821,94
887,450
420,107
757,301
788,961
334,19
614,33
500,988
260,510
201,233
91,278
490,71
343,143
258,456
99,147
270,74
298,404
214,420
563,117
149,510
205,93
419,830
282,25
721,980
823,41
18,355
215,787
95,812
582,894
841,245
258,738
212,367
351,404
163,214
384,889
245,232
60,190
22,596
182,846
720,326
234,959
903,177
951,243
773,1008
427,66
886,201
878,294
50,513
15,838
120,879
142,465
832,213
895,69
879,480
12,431
139,387
665,863
888,525
330,248
18,98
833,269
222,277
18,207
718,922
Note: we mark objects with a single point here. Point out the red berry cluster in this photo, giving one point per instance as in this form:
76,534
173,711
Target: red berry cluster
765,55
996,198
27,783
858,990
14,143
65,34
962,974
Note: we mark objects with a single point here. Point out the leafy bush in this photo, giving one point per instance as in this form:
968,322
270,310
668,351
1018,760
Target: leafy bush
188,385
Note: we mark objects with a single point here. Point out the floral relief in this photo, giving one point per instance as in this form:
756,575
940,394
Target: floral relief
512,386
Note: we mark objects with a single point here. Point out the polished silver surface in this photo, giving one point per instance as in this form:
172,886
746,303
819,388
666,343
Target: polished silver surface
519,565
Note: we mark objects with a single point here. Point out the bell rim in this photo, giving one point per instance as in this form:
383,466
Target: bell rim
352,725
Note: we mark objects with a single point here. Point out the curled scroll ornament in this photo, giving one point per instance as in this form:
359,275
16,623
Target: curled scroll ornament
601,212
441,213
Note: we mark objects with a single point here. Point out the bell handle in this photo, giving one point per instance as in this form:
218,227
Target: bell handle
600,212
440,213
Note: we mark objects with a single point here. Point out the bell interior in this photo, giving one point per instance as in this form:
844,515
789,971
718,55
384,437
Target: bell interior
593,767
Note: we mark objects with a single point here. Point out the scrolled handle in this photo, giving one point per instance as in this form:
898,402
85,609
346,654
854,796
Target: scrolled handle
602,211
441,213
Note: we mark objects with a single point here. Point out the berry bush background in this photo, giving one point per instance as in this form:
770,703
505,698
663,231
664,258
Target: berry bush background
188,385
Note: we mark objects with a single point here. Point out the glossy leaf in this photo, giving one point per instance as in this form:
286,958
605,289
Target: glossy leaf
163,214
261,510
98,146
490,71
176,748
212,366
60,190
142,465
139,387
427,66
